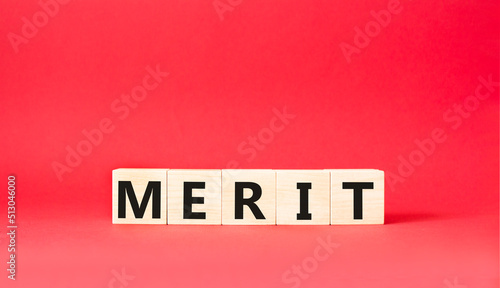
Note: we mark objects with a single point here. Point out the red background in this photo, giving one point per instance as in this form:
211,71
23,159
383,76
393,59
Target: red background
226,77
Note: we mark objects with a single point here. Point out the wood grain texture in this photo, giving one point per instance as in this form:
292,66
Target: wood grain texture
342,199
211,194
140,179
266,179
288,196
231,197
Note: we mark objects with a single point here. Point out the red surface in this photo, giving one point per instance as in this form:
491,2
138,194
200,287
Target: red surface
226,77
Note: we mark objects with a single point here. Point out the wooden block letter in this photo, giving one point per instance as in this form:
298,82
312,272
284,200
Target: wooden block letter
357,196
194,197
140,196
303,197
248,197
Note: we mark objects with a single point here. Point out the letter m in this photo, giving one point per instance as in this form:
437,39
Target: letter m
125,189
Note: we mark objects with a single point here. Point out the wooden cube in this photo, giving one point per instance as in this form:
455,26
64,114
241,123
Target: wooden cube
303,197
194,197
248,197
357,196
140,196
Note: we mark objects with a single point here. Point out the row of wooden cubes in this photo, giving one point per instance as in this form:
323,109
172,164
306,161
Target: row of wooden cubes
287,197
